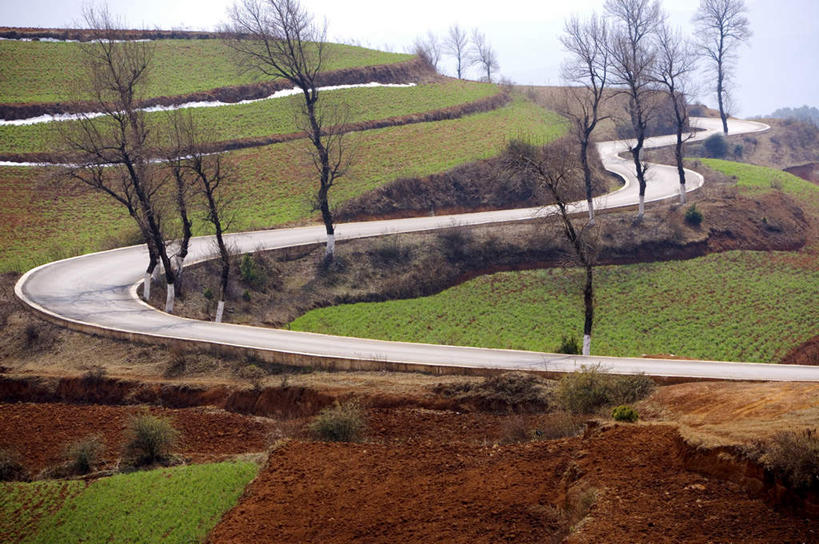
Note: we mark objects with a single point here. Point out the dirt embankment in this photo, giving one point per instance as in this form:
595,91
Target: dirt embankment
808,171
617,484
414,70
84,34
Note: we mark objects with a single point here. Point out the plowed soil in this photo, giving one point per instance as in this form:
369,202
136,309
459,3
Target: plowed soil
619,484
39,433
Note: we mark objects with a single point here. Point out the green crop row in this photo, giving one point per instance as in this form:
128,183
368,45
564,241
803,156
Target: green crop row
738,306
45,71
276,116
42,221
179,504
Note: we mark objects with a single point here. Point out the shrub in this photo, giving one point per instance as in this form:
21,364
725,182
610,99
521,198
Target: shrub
252,272
246,295
569,345
390,252
208,293
84,454
559,425
693,216
716,146
340,423
510,391
625,413
149,439
10,467
791,455
589,389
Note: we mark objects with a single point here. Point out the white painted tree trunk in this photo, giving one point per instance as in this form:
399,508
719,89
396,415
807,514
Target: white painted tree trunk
169,298
591,212
586,344
146,286
331,246
642,207
682,193
220,309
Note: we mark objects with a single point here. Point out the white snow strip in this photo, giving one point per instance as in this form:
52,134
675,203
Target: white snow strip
47,118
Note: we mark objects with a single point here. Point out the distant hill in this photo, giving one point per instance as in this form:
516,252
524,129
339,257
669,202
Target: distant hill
805,113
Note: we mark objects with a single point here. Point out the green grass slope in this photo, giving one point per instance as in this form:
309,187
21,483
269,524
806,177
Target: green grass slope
179,504
276,116
740,305
273,184
44,71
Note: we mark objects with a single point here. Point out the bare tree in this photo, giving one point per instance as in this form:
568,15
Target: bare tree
556,170
586,41
632,61
209,177
723,25
428,48
278,38
456,44
483,55
675,64
112,154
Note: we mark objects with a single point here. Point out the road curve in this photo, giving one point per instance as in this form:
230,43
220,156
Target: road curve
97,292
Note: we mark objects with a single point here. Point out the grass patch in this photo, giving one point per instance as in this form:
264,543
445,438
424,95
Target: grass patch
760,179
171,505
277,116
43,71
25,507
588,390
342,422
274,184
738,305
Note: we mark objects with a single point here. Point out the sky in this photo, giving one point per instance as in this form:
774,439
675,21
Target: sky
777,68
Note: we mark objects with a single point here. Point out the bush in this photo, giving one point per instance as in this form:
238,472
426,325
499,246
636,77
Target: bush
84,454
791,455
510,391
253,273
693,216
625,413
149,439
569,345
208,293
340,423
559,425
716,146
10,467
588,390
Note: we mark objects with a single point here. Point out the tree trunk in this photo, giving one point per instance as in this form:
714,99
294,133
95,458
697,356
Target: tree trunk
169,298
678,155
720,90
588,300
587,177
220,309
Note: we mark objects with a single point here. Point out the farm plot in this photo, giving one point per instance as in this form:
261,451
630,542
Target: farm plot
43,71
274,184
275,116
741,306
179,504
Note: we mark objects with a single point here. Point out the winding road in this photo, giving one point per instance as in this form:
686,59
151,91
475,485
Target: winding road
97,293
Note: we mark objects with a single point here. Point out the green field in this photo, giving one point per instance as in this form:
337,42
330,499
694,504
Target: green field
736,306
40,222
275,116
179,504
741,306
43,71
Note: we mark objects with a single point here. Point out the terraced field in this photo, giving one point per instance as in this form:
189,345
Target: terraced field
43,71
171,505
740,305
273,184
275,116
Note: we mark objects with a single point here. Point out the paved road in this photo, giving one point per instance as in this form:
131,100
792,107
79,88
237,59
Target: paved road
100,290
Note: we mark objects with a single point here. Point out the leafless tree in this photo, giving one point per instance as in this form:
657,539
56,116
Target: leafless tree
209,177
632,61
588,67
723,25
428,48
456,44
112,154
556,170
675,64
280,39
483,55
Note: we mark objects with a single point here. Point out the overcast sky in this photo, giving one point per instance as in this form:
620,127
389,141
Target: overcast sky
777,68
